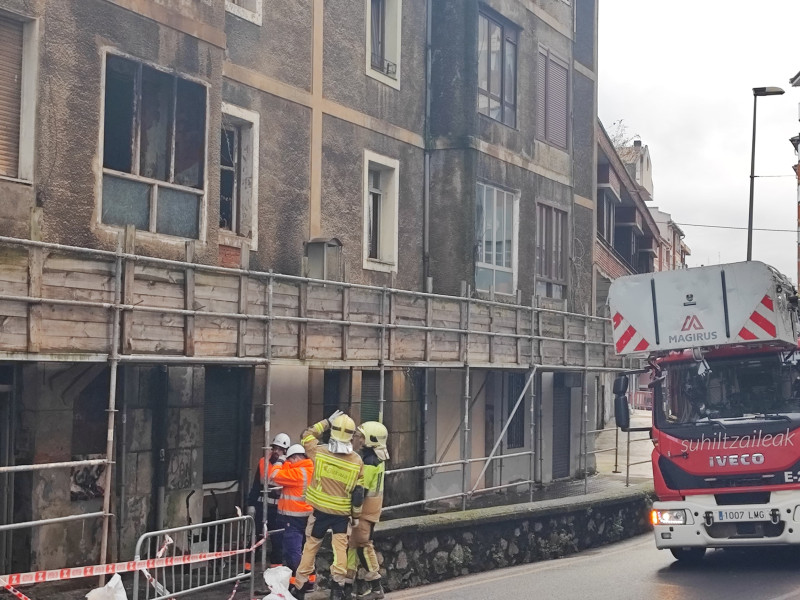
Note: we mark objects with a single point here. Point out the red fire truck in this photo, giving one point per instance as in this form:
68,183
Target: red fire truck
720,344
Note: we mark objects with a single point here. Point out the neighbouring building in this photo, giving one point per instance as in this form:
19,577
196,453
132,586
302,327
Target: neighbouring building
440,157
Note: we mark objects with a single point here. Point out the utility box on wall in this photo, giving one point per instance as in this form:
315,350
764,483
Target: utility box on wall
324,259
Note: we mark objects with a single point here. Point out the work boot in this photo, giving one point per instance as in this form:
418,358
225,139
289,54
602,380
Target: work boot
298,593
374,591
348,591
337,591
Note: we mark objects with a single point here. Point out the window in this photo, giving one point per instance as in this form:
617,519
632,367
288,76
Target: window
154,145
496,218
605,216
552,81
551,254
249,10
383,40
380,212
497,70
238,176
18,65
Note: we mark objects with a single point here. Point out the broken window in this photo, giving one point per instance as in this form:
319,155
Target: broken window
154,144
238,173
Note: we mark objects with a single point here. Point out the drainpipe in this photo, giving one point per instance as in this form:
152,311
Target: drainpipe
426,190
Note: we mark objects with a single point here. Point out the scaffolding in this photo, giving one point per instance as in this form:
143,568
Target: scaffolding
179,312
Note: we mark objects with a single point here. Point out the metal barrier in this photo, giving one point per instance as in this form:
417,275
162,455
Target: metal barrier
198,557
628,463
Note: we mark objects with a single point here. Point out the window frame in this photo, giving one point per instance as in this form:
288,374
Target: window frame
254,16
509,33
201,193
249,144
389,236
29,84
544,98
392,38
545,275
480,241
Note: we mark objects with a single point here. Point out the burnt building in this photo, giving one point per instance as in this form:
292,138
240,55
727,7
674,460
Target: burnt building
177,180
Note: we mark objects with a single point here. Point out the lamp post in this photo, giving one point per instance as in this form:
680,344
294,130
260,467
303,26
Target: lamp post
759,91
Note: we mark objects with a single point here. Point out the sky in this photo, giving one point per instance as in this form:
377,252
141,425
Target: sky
679,74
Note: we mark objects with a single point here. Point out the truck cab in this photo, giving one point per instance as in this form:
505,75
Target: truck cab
721,354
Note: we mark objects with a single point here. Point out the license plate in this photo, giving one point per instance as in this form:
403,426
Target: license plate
747,514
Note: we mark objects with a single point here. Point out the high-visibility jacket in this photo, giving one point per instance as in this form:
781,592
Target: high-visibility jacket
294,478
335,475
273,491
374,470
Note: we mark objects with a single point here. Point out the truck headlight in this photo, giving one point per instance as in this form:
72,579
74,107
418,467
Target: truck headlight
668,517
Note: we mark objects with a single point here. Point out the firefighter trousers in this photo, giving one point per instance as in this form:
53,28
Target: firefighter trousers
318,524
361,552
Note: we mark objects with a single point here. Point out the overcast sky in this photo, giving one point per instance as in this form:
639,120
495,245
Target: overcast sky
680,75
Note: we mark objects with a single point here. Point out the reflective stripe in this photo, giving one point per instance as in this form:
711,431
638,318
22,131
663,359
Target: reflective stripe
293,513
288,497
272,500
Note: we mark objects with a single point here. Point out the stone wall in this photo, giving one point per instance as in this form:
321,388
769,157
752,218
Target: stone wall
422,550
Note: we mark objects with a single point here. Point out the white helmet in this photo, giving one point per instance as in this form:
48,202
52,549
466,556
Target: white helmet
295,449
282,441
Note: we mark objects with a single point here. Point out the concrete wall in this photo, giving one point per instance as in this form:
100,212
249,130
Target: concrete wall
432,548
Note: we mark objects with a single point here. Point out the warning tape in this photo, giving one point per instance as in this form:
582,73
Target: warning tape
9,581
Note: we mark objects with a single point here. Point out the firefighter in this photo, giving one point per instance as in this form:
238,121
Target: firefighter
336,494
361,551
294,476
255,499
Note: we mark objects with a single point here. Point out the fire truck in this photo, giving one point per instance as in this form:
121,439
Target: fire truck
723,372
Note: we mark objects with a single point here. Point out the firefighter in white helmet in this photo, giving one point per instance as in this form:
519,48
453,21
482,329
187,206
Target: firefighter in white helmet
371,436
336,494
255,499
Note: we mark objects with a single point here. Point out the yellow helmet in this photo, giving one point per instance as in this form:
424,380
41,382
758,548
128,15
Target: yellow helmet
375,436
342,428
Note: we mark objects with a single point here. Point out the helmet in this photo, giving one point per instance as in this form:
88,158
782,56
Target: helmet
282,441
295,449
343,428
375,435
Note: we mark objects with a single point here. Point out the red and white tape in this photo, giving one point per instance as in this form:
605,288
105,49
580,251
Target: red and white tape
9,581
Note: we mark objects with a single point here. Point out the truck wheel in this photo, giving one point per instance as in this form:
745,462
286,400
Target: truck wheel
688,554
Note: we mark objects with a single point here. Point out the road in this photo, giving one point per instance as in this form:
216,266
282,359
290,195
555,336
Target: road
634,570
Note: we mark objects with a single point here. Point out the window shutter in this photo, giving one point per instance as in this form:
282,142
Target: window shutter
10,92
370,395
557,104
541,78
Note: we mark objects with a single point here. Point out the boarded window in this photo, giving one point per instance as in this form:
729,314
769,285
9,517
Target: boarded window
497,69
552,99
153,149
10,95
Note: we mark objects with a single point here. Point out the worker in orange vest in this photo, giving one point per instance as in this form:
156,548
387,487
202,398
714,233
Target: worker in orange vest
255,500
293,511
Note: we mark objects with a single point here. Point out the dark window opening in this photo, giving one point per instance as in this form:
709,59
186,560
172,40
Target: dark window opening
515,435
551,251
229,178
153,149
375,210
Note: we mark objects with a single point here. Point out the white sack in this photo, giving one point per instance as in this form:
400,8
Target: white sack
277,579
113,590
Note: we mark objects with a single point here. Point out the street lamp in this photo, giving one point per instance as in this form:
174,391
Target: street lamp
759,91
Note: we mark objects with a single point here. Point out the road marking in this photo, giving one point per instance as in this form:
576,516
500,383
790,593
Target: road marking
479,578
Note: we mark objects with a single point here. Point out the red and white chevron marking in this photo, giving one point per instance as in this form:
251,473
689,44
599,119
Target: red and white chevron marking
627,339
761,324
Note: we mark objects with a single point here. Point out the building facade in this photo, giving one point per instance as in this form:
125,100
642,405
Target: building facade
445,146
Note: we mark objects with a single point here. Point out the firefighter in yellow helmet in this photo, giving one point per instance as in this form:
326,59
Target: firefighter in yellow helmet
336,493
361,551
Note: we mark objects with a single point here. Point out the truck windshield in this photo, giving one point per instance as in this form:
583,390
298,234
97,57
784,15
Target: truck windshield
732,388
